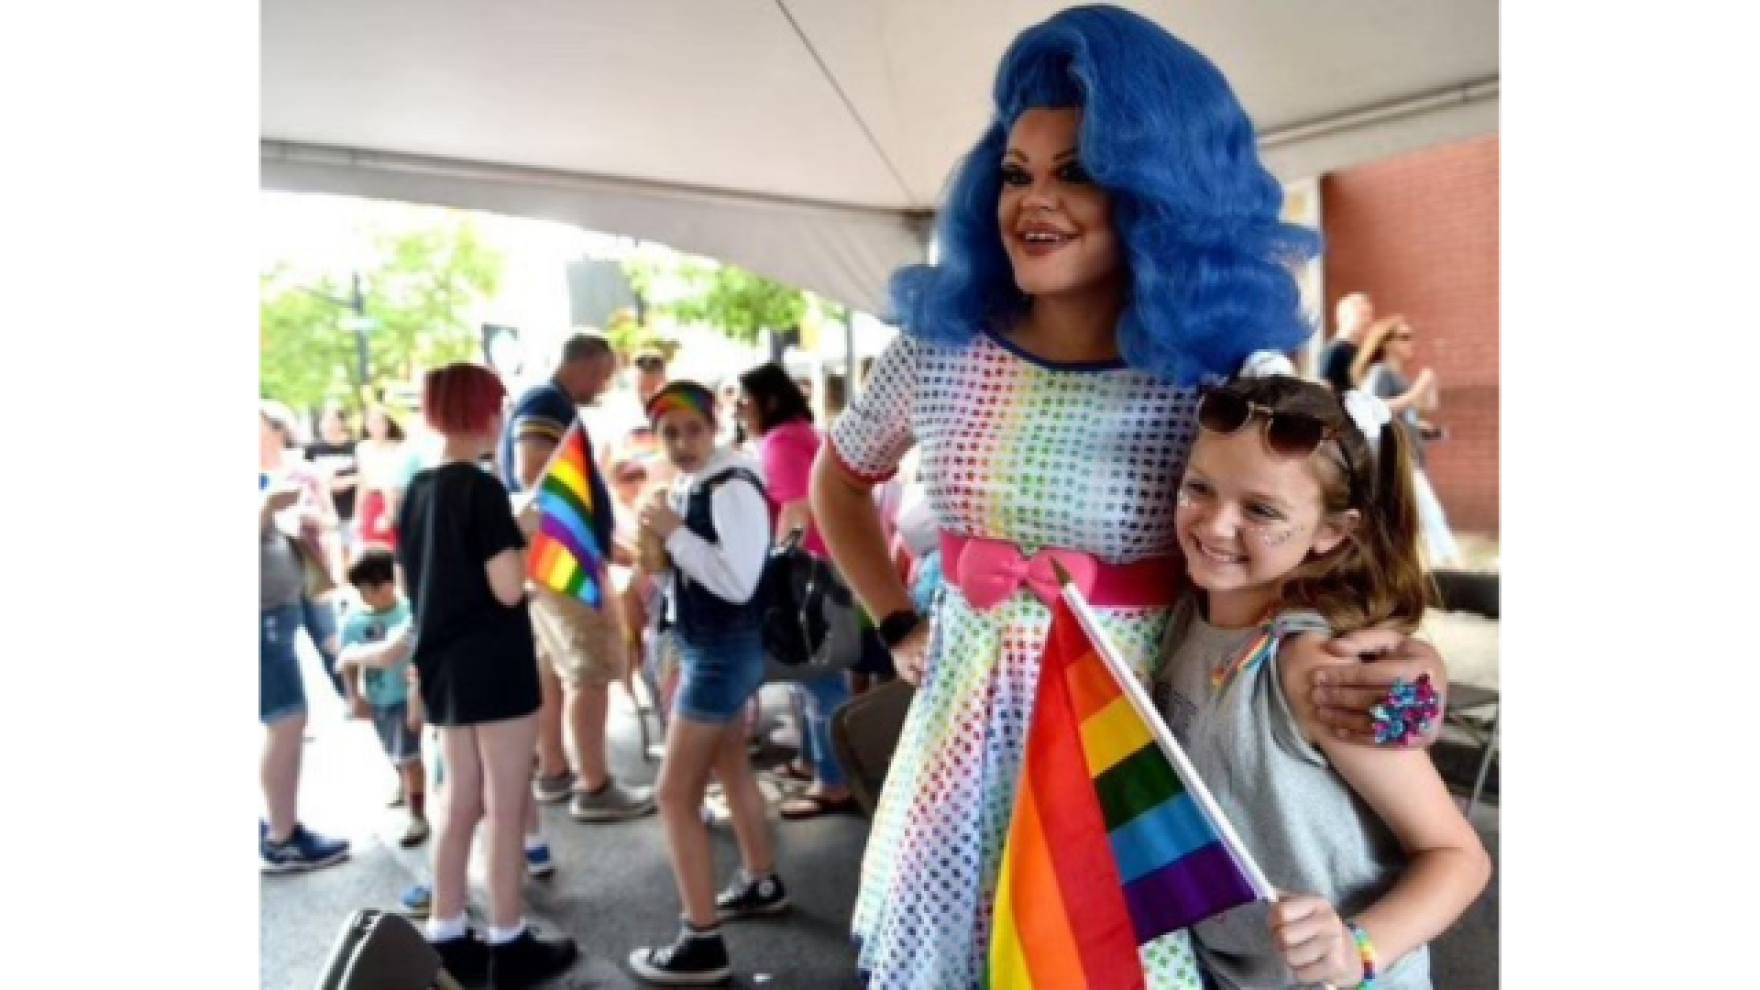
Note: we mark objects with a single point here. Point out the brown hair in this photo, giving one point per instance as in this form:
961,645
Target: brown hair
1371,350
1375,575
461,398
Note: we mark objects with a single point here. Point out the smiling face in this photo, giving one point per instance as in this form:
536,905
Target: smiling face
1246,518
1056,222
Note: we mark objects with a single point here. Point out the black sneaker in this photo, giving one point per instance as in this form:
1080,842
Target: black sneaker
695,959
746,897
529,959
465,959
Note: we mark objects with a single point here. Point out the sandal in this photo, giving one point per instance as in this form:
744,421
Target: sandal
812,806
789,771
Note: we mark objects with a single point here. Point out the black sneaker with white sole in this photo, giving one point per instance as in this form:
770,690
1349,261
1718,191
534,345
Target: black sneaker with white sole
748,897
465,959
694,959
528,960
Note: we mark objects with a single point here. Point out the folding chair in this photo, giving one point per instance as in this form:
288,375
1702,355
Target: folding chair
864,732
1477,594
380,950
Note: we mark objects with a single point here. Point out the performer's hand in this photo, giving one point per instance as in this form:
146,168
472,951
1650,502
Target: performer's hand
359,708
1344,694
911,655
1314,942
659,517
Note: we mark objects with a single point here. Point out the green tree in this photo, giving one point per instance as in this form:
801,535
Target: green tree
731,299
421,286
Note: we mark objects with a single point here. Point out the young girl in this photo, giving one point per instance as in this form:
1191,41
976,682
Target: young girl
462,554
1290,527
716,527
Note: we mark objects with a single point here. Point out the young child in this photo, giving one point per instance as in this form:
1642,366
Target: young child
716,527
384,693
1290,525
463,555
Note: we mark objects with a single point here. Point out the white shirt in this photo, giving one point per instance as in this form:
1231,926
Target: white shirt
730,567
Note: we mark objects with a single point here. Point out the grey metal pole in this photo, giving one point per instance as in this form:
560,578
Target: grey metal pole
359,305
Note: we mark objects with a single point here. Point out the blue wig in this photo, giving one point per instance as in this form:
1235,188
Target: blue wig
1210,262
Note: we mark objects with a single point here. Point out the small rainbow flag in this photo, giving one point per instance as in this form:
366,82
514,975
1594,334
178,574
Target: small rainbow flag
1114,841
565,556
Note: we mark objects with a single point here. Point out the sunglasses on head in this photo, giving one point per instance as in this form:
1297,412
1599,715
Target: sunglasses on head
1289,434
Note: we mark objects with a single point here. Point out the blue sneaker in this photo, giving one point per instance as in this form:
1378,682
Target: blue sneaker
418,901
538,861
304,850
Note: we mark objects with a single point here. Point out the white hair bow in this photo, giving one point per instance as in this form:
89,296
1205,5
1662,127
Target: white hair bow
1368,412
1264,364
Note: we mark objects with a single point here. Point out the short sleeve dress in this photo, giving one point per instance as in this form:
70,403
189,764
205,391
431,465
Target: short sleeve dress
1085,457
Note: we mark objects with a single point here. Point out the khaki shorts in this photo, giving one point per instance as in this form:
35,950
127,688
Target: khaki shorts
583,645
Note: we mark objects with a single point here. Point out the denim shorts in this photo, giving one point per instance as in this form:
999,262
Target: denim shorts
391,722
280,692
718,675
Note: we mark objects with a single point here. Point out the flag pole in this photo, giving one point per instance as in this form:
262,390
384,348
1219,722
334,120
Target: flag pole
1133,689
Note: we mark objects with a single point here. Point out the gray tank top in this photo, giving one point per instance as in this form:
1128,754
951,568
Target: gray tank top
1306,828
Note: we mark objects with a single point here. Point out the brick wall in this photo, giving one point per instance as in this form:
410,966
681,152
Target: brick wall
1419,234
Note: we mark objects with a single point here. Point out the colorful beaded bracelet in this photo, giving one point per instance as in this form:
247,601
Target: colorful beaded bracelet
1366,952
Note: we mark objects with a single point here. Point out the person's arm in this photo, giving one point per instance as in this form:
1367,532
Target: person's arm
1375,383
732,566
1447,866
272,504
863,448
1344,694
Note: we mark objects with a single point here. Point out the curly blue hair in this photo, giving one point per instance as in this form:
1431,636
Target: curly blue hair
1211,264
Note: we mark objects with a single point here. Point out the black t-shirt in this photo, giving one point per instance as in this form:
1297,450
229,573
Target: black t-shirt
1335,364
475,656
337,459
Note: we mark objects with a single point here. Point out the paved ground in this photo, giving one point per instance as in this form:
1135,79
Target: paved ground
613,889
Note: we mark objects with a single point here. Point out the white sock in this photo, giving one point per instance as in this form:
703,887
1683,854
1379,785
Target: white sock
535,842
502,936
446,929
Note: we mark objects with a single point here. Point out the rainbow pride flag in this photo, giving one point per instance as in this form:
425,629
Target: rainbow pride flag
565,556
1114,841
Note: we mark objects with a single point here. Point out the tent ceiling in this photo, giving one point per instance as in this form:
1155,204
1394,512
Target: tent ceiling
807,139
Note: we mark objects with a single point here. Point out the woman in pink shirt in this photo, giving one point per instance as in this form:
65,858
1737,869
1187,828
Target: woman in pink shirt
775,411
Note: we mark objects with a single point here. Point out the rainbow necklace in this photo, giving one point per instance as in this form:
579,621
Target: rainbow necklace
1254,654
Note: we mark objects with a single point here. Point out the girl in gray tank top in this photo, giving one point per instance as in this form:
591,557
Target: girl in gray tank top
1291,526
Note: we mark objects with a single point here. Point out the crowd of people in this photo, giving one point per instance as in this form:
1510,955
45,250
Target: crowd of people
1082,377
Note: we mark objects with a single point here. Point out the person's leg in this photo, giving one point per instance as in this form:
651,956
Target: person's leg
691,746
824,694
519,957
452,834
596,660
283,745
712,691
505,748
745,803
554,780
588,707
319,617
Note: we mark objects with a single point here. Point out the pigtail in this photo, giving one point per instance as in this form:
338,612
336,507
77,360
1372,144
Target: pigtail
1391,528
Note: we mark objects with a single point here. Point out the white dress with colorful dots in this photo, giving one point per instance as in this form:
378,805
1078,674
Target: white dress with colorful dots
1085,457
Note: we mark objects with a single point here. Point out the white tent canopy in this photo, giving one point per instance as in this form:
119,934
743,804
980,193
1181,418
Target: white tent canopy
808,140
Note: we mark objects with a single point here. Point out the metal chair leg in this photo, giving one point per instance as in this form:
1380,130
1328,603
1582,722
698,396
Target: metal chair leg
1485,759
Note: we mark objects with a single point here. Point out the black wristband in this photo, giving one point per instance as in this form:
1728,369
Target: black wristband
895,627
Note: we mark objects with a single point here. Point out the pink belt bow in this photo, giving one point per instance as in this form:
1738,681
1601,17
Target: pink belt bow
988,571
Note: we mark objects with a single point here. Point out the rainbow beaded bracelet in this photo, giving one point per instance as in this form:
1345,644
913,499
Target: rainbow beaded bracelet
1366,952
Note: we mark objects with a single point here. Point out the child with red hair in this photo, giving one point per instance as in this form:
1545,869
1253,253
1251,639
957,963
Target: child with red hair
463,556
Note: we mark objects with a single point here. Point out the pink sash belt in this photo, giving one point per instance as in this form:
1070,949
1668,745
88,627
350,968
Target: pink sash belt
988,571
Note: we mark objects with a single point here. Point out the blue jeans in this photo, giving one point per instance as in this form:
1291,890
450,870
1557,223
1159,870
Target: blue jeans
280,692
823,695
319,618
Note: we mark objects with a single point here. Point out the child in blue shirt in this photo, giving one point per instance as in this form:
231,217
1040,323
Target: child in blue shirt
382,694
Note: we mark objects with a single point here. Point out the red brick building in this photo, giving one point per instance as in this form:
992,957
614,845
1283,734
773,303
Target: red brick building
1419,234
